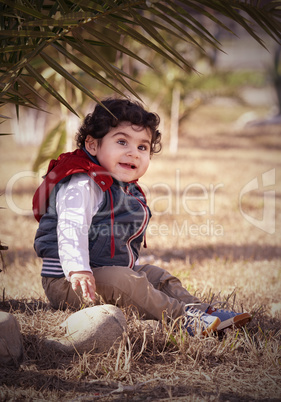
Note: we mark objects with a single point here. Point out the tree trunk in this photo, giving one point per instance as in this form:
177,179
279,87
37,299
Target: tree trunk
174,128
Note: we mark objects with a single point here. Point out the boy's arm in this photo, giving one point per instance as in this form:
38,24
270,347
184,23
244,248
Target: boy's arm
77,202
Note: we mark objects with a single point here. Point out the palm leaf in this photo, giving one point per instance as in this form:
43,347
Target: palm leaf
25,10
29,29
12,74
186,18
150,29
86,68
20,99
27,34
16,48
30,88
111,42
101,61
171,22
62,71
132,33
46,85
52,146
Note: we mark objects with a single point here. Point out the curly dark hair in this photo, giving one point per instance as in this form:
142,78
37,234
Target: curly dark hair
98,123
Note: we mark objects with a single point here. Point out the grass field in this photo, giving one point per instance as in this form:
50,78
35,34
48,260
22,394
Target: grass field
215,226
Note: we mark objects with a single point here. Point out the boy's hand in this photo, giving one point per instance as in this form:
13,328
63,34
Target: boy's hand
86,280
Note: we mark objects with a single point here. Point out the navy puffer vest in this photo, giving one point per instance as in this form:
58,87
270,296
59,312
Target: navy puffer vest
117,230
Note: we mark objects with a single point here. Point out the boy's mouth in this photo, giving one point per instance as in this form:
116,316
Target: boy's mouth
127,165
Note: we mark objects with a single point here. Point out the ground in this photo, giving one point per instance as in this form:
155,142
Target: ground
216,225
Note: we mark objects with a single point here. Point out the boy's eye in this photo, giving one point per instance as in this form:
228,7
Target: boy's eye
143,147
121,142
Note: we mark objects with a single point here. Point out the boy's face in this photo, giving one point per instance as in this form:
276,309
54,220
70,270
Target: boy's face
124,151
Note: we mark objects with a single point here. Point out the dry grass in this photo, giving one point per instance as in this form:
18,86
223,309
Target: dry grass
221,257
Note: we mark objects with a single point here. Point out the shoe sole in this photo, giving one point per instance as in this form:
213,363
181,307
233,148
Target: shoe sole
238,321
212,327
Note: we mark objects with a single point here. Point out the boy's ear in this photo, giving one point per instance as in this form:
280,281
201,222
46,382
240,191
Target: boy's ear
91,145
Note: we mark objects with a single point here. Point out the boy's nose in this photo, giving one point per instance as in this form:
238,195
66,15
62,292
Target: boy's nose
132,151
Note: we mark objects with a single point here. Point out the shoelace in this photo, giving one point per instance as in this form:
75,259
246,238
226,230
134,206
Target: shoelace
192,314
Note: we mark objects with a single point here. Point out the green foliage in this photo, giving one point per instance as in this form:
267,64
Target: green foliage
230,80
90,36
52,146
195,89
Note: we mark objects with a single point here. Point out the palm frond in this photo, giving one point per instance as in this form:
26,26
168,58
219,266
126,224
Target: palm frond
39,34
51,147
46,85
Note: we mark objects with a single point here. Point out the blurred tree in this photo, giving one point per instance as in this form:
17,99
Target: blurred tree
38,34
277,76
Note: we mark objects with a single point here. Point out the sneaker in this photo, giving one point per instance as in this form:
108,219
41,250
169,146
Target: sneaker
229,318
198,322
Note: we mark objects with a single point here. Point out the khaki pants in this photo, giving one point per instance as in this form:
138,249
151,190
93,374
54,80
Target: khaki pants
150,289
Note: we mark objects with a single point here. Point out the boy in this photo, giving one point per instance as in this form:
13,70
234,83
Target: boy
92,219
